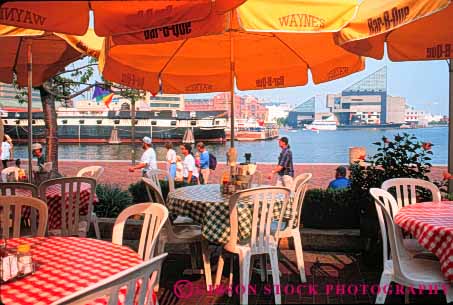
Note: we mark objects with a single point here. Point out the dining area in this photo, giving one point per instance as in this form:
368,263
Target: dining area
237,244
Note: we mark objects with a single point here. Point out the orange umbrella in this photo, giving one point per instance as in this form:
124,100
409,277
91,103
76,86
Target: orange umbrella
412,30
51,54
111,17
255,60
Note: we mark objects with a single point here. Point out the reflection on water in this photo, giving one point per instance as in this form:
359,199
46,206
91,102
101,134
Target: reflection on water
307,146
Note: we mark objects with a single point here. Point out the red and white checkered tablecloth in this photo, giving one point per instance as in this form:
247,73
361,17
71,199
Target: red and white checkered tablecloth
432,225
66,265
53,202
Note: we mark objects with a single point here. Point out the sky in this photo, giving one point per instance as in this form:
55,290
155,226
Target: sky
424,84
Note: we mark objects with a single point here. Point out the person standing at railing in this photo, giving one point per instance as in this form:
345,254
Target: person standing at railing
284,169
7,152
171,159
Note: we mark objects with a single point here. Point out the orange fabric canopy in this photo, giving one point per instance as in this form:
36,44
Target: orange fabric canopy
51,54
258,60
110,17
412,29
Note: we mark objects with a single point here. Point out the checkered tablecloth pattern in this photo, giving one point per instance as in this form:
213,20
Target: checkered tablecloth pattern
207,206
53,203
66,265
432,225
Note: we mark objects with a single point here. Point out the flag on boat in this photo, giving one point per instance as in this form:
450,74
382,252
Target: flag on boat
104,95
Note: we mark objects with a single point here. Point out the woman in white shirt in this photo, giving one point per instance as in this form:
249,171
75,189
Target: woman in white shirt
6,152
190,172
171,159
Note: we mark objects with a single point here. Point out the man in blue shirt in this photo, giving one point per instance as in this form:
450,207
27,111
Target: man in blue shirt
340,182
284,169
204,162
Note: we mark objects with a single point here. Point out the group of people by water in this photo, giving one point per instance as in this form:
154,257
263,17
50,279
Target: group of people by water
195,167
190,168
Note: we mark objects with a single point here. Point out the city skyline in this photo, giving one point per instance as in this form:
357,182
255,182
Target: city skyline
429,78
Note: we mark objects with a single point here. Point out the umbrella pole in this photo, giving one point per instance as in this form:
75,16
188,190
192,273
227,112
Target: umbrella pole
30,125
232,118
450,126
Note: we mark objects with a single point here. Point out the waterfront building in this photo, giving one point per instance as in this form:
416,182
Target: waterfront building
308,111
276,110
417,117
246,106
8,99
156,103
366,102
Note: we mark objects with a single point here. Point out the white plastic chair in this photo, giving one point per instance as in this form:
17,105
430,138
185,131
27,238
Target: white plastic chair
180,234
406,194
156,174
155,217
143,275
292,230
260,202
9,171
400,266
406,190
69,191
15,204
94,172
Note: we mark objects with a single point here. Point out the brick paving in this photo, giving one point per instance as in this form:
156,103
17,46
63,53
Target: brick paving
116,171
327,274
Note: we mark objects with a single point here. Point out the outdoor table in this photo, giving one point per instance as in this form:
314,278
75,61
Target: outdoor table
432,225
53,195
207,206
66,265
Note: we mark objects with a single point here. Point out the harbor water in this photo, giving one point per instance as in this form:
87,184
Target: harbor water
307,146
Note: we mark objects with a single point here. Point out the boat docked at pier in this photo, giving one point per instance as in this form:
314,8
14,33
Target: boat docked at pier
327,124
115,127
253,130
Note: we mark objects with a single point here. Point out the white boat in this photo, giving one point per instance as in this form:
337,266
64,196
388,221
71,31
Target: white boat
327,124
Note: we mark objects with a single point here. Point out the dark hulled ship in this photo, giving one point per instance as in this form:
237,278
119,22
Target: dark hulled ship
116,126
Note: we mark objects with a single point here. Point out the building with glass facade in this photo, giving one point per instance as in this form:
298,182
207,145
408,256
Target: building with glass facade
367,102
302,114
8,98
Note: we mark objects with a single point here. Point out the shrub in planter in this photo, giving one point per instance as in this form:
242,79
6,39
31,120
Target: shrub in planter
330,209
111,200
402,157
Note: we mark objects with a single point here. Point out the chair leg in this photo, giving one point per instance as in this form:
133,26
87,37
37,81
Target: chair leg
299,255
230,277
275,275
193,256
97,231
449,294
206,254
244,270
160,249
218,276
406,295
386,279
263,265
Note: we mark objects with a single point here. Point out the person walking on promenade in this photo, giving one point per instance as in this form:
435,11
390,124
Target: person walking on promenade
204,162
7,152
148,161
284,169
171,159
190,172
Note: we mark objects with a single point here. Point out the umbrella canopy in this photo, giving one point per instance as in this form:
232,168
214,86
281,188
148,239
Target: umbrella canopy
412,30
110,17
51,54
257,60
